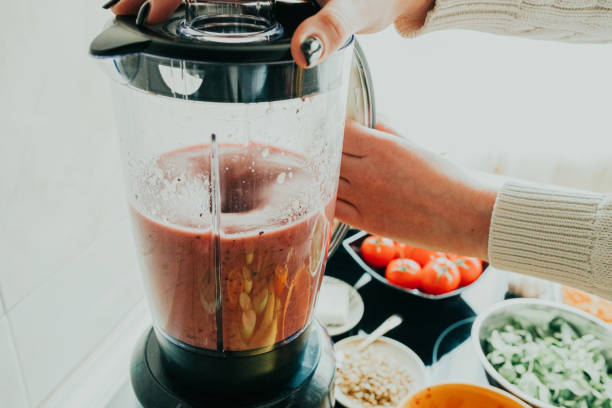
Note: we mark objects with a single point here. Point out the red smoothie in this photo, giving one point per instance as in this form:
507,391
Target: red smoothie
270,245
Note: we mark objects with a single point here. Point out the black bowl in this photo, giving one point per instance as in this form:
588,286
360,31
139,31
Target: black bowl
352,245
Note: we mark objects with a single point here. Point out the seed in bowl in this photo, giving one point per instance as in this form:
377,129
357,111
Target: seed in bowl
372,380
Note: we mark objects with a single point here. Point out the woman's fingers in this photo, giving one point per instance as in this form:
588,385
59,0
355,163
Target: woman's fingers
150,12
357,139
322,34
161,10
347,212
127,7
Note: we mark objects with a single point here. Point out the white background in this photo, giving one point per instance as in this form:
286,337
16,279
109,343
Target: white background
68,274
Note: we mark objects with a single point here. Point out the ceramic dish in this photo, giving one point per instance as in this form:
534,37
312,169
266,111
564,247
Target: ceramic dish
353,244
461,396
538,312
356,308
387,349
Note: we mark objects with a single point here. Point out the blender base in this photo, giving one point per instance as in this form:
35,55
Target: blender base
311,386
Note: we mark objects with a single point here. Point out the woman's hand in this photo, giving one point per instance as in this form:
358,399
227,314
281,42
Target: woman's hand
149,11
318,36
391,187
339,19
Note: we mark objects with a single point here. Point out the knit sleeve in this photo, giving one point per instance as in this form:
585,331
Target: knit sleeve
555,234
562,20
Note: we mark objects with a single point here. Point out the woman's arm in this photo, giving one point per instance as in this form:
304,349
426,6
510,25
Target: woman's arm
562,20
391,187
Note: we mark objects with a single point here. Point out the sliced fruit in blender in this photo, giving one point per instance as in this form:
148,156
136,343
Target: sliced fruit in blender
260,297
265,336
268,314
207,293
249,251
248,279
249,318
245,302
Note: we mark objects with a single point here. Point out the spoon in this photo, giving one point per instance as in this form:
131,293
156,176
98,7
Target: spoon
391,323
362,281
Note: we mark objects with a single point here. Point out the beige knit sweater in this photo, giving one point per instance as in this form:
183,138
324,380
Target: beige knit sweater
562,20
548,232
556,234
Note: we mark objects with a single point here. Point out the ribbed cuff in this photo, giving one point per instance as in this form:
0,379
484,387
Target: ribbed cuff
562,20
553,234
481,15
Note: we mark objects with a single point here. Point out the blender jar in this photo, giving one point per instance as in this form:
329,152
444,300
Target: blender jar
231,156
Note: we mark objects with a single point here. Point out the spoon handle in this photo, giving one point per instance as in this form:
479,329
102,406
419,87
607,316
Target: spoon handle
391,323
362,281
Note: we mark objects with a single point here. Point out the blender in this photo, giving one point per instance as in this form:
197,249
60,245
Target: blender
231,156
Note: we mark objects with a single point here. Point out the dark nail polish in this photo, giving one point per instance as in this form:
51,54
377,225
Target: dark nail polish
143,13
110,4
312,48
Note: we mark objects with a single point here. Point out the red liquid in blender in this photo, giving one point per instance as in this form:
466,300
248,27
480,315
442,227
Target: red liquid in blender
271,248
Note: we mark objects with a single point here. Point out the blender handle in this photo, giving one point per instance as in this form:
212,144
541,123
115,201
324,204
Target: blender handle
365,76
366,115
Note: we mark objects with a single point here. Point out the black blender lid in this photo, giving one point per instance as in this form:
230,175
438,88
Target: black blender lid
174,38
225,51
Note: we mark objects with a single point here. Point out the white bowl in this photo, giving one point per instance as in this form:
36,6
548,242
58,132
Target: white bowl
543,312
391,349
356,308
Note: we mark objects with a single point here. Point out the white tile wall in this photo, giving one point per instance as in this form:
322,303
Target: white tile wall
59,171
12,393
1,304
68,274
58,324
530,109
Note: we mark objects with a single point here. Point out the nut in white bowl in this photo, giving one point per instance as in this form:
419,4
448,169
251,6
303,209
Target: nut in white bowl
380,376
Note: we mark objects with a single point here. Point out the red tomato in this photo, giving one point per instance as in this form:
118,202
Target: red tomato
470,269
404,272
402,250
452,257
377,251
423,256
440,276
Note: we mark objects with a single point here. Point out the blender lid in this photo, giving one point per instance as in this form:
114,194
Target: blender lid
225,31
227,51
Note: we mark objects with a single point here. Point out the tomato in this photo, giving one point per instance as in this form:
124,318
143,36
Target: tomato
423,256
452,257
402,250
440,276
405,273
470,269
377,251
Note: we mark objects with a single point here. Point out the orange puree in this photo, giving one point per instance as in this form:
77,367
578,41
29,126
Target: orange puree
461,396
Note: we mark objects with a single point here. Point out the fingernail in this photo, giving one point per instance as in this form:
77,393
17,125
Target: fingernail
110,4
143,13
312,48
